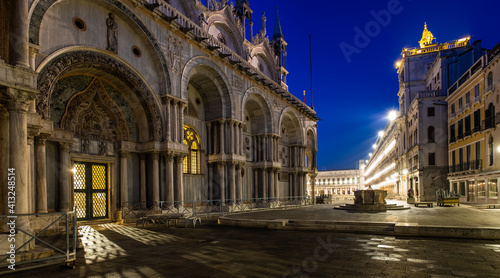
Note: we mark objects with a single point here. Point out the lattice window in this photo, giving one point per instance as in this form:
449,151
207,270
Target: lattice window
191,163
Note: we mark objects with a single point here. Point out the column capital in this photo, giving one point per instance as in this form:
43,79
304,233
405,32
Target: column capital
64,146
18,99
155,155
41,139
122,153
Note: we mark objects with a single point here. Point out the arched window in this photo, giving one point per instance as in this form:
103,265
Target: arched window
490,80
191,163
491,151
430,134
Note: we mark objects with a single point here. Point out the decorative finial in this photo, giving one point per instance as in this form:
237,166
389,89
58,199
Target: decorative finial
427,37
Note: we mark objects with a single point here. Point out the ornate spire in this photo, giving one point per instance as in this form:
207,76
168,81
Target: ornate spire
427,37
277,34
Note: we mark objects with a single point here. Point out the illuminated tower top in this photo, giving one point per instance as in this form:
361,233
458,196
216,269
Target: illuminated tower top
427,38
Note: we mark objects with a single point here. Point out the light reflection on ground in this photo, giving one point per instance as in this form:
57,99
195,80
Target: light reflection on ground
147,237
97,247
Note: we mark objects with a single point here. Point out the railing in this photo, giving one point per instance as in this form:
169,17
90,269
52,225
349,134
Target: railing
134,210
63,250
489,122
466,166
449,45
170,14
431,93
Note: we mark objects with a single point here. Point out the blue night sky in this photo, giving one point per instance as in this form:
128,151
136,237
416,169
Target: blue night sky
352,99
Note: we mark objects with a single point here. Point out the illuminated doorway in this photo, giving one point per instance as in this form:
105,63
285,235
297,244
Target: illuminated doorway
90,185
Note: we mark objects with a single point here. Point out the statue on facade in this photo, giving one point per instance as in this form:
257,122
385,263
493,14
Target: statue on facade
112,33
263,28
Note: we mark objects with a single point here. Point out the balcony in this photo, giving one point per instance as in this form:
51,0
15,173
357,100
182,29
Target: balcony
465,166
453,140
489,122
460,136
476,129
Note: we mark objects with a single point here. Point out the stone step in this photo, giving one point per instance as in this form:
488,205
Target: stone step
350,226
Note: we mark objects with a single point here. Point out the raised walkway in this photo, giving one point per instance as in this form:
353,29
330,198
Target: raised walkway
464,221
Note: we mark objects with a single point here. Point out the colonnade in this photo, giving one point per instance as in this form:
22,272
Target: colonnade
225,136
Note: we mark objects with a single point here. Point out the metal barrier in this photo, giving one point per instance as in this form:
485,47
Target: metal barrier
62,250
131,211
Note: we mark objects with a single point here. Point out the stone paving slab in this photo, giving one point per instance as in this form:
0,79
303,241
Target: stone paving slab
111,250
462,221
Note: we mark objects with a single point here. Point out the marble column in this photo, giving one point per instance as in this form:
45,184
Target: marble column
180,137
239,187
168,107
256,182
41,175
4,158
209,139
123,178
18,146
263,173
30,155
65,189
276,184
270,175
222,183
175,121
240,148
20,36
210,177
170,180
232,182
179,189
156,177
221,139
143,179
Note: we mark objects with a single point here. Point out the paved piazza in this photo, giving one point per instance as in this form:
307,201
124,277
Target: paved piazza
111,250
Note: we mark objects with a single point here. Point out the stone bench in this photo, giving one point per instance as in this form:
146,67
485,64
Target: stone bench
428,204
165,218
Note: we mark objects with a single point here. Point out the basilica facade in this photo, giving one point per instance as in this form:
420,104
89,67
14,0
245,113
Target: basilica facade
109,102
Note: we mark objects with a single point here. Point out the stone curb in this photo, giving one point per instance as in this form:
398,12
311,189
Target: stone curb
382,228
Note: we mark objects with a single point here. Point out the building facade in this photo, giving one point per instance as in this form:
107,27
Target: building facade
110,102
473,150
425,74
338,182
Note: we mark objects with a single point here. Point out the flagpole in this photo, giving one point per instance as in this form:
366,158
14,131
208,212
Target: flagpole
311,70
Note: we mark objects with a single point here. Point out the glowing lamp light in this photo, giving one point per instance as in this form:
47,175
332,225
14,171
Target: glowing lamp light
374,146
73,170
398,63
392,115
381,133
405,172
498,149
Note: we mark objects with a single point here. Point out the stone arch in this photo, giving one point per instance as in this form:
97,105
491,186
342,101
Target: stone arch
290,128
40,7
259,55
86,61
256,107
213,86
221,22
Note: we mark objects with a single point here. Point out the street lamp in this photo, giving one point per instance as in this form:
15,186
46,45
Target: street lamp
392,115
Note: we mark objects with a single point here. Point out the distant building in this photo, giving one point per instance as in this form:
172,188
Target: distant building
474,155
338,182
421,139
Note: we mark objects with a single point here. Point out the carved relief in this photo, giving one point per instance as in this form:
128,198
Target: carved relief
174,54
237,82
90,60
92,114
